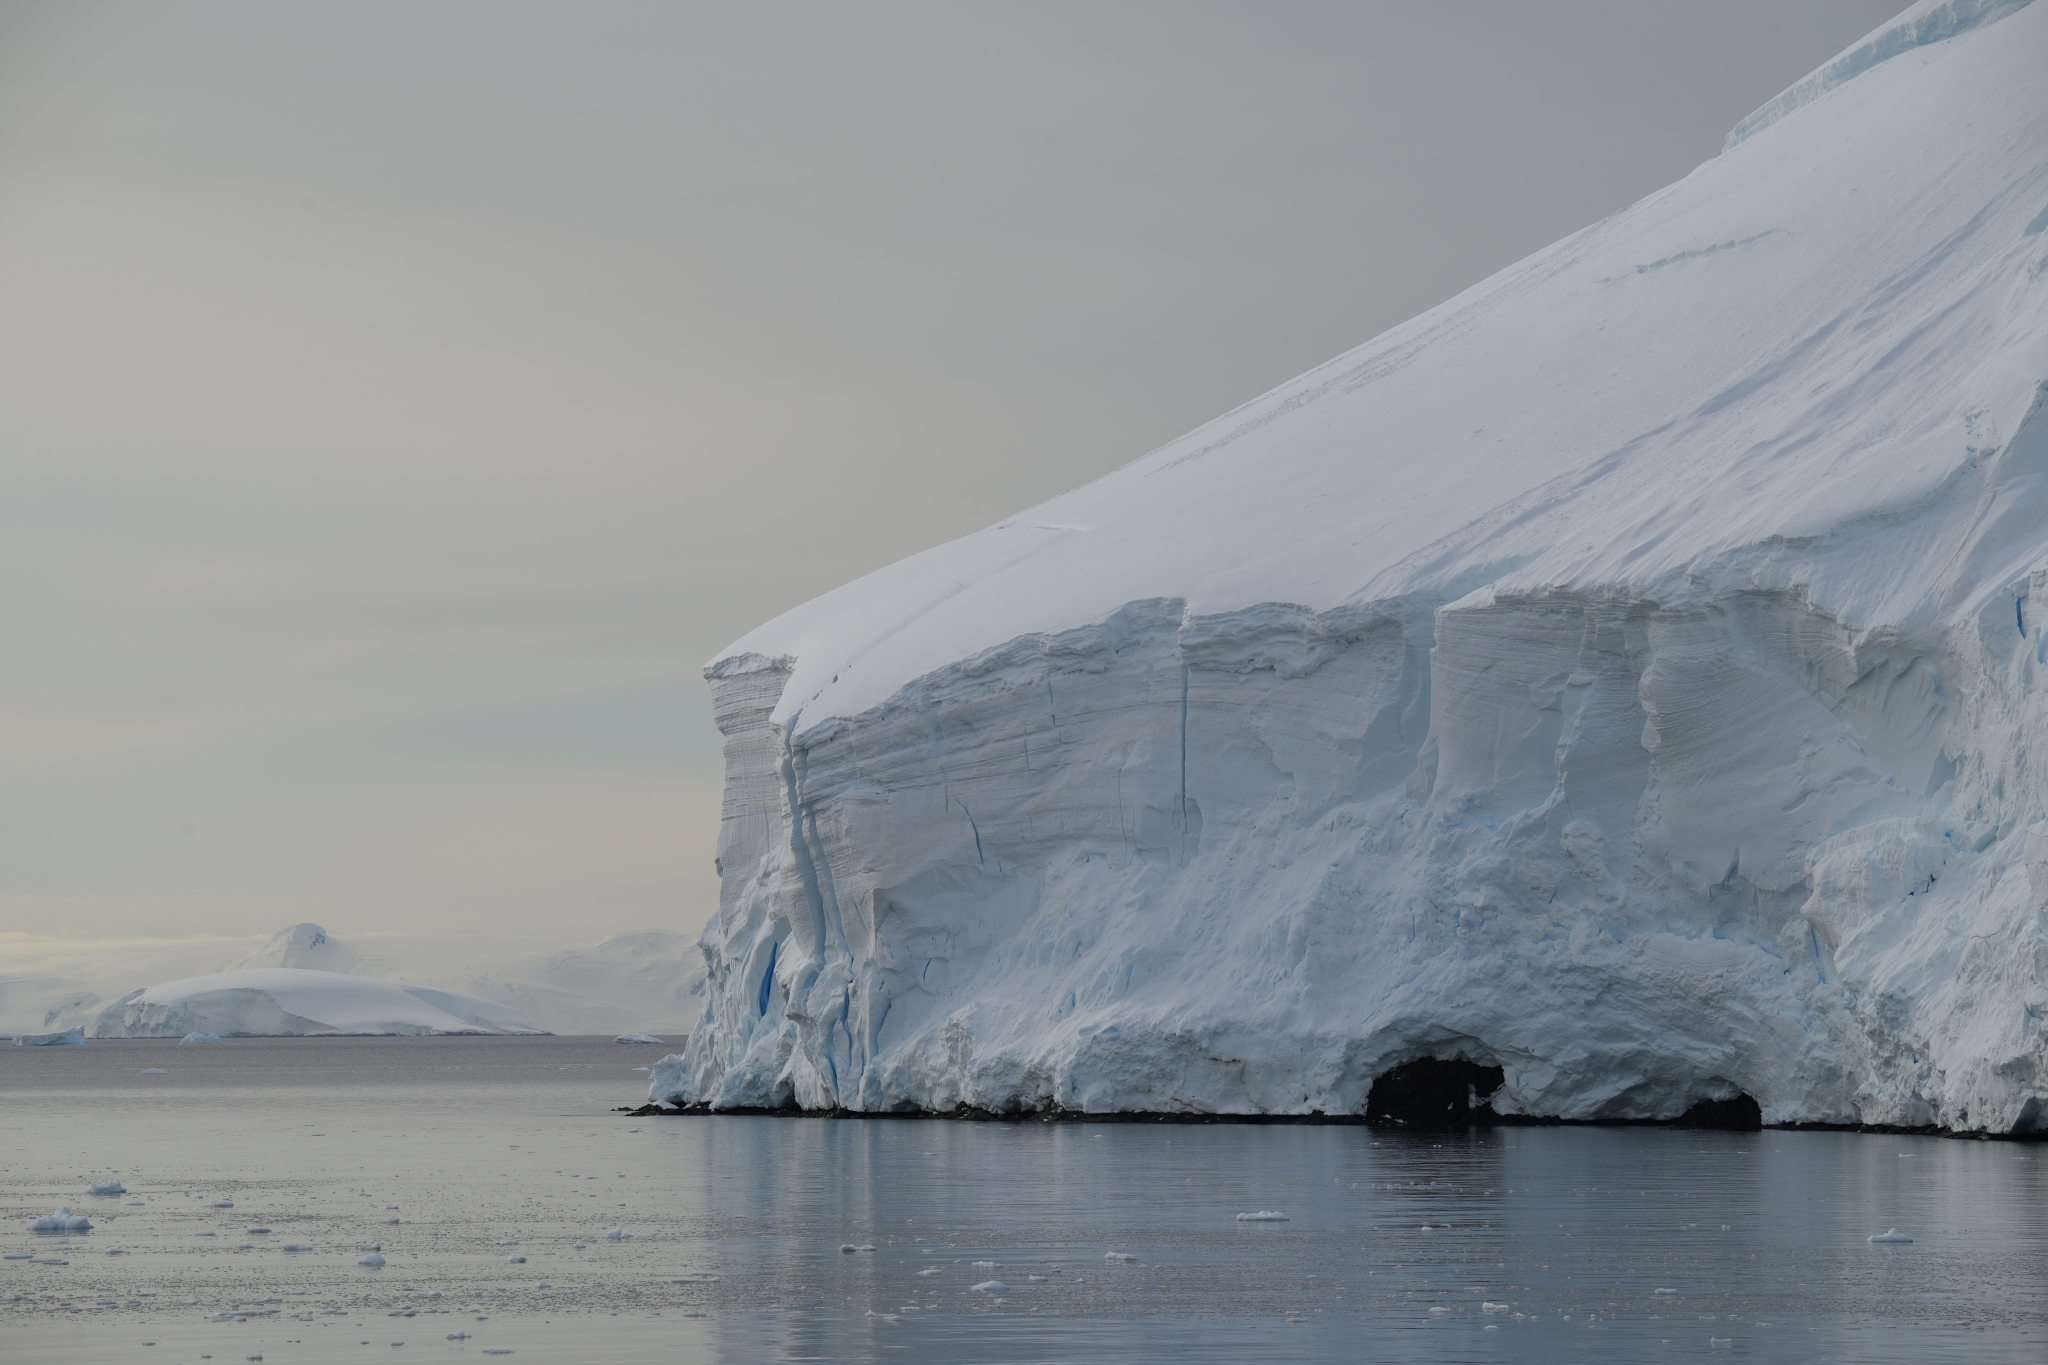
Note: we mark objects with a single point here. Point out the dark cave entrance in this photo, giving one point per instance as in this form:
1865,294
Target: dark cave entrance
1433,1093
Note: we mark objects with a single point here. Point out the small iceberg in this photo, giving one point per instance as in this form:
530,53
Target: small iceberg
1892,1237
991,1287
636,1038
222,1204
71,1037
253,1230
200,1038
63,1220
392,1219
515,1260
1263,1216
373,1260
620,1235
115,1251
458,1336
1118,1256
986,1265
1489,1306
295,1246
933,1271
108,1187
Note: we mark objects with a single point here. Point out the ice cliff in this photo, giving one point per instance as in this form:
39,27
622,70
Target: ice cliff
1627,674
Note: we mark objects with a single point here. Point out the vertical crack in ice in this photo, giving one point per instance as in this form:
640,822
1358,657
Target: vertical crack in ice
1181,810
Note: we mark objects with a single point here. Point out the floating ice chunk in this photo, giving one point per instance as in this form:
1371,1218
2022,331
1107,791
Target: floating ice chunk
63,1220
392,1219
1439,1310
515,1260
200,1038
295,1246
847,1248
991,1287
1118,1256
12,1298
986,1265
372,1260
509,1242
620,1235
71,1037
255,1229
115,1251
208,1233
576,1246
933,1271
1892,1237
108,1187
1263,1216
15,1256
222,1204
47,1260
636,1038
1488,1306
458,1336
133,1204
543,1285
1664,1291
391,1206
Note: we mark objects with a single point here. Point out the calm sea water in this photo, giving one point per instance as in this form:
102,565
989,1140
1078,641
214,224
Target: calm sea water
1511,1246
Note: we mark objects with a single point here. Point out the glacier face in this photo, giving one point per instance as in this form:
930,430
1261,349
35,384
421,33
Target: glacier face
1625,674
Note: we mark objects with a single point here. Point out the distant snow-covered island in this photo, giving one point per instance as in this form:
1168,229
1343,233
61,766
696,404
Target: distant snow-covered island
293,1002
1620,690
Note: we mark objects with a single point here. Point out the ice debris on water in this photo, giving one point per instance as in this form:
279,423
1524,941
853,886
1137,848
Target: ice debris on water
295,1246
991,1287
200,1038
1489,1306
515,1260
63,1220
618,1234
371,1246
1892,1237
222,1204
1664,1291
933,1271
133,1204
1263,1216
1118,1256
458,1336
636,1038
392,1219
115,1251
207,1233
255,1229
508,1242
985,1265
373,1259
108,1187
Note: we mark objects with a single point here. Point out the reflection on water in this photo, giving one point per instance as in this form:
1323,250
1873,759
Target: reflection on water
1507,1245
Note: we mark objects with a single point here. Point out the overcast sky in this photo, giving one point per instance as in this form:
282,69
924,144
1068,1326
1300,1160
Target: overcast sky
400,402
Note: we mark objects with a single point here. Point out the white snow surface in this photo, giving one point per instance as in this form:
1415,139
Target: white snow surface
1626,673
294,1002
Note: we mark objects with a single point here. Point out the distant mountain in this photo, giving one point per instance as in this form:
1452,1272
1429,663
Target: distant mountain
647,980
293,1002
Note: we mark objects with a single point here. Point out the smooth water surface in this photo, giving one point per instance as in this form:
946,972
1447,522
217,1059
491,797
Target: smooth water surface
1507,1245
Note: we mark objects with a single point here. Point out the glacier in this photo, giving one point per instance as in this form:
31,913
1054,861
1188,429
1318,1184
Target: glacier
1624,677
269,1002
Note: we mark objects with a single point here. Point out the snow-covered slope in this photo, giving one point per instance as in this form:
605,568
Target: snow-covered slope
646,980
294,1002
1627,674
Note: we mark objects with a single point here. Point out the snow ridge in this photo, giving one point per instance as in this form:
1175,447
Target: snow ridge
1930,21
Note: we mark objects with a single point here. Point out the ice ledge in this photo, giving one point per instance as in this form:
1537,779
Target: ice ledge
1930,21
